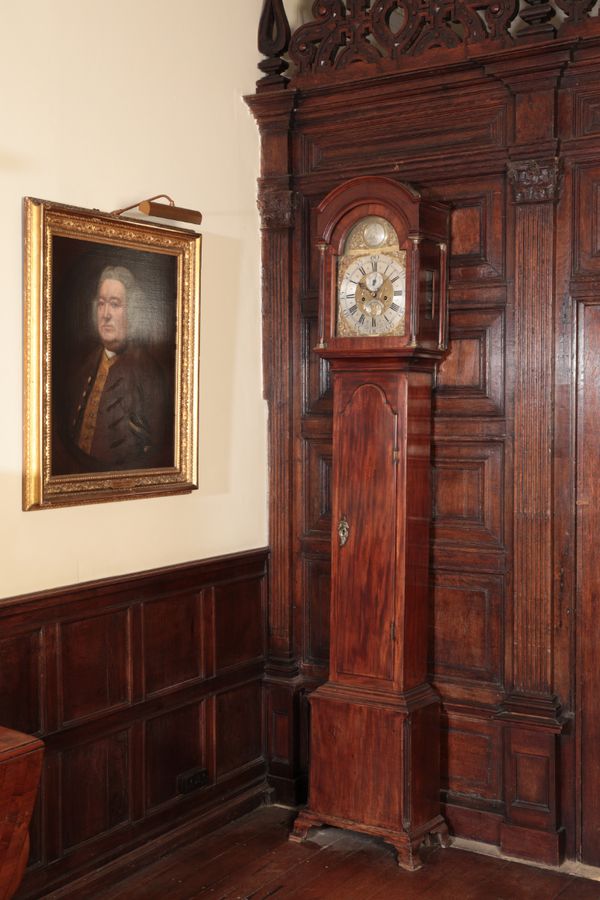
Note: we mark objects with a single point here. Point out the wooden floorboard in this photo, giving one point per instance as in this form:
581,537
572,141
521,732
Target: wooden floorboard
252,859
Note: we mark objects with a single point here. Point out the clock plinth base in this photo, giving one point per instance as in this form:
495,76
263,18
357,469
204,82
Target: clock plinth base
405,843
375,766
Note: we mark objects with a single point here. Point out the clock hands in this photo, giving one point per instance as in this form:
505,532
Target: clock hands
369,296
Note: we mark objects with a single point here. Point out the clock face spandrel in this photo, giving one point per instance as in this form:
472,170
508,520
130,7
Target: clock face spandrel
371,292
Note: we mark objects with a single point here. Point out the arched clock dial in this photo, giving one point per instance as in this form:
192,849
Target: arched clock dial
372,295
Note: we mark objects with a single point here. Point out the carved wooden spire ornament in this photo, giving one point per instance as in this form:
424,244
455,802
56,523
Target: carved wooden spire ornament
273,41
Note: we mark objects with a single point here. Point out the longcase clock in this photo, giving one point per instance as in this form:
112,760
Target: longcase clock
374,757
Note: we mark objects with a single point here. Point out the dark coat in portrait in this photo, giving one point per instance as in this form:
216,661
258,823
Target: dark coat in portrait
130,413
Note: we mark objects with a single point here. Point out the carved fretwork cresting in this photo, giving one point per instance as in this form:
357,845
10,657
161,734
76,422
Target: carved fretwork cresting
367,31
348,31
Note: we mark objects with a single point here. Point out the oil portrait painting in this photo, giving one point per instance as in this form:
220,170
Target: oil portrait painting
112,304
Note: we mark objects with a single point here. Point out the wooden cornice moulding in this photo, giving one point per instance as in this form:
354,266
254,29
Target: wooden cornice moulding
273,109
532,710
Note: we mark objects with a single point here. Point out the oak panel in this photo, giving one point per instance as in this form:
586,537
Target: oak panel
238,728
466,639
471,756
239,623
20,682
317,591
531,777
94,786
317,398
586,258
376,139
172,641
174,744
94,670
317,514
586,112
477,242
471,377
468,490
532,774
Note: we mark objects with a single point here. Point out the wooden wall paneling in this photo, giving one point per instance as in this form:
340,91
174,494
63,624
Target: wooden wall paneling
506,431
471,531
132,683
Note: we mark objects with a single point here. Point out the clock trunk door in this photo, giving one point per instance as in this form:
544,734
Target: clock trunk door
365,531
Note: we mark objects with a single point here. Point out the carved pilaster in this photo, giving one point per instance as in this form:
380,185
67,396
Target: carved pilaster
531,711
535,187
273,110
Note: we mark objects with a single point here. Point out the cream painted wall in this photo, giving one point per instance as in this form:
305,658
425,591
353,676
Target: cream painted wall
105,103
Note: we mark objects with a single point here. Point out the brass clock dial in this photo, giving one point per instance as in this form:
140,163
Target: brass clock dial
371,292
371,297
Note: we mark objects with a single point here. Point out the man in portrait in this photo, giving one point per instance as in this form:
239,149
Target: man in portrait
118,407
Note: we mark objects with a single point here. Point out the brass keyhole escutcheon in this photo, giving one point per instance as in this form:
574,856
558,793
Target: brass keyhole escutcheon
343,531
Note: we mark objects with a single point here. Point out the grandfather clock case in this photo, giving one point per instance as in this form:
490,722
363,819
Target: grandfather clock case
375,735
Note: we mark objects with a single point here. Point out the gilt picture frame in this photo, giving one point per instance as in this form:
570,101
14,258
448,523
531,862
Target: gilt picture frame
111,337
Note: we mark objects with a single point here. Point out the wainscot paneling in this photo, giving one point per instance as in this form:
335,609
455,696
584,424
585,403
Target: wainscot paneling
147,693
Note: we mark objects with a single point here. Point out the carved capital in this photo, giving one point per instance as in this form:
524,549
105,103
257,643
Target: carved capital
534,182
277,208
